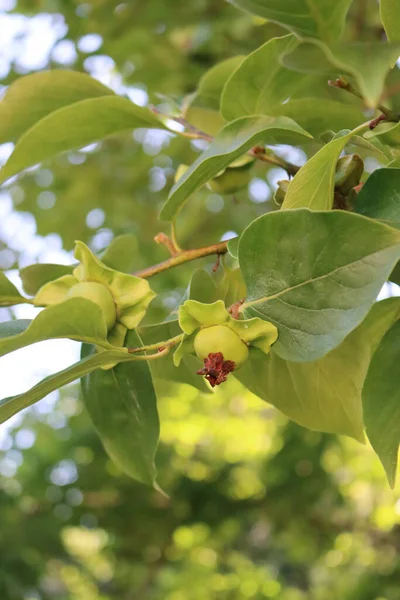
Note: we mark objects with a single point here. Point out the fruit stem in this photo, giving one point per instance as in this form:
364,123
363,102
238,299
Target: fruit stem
158,346
160,354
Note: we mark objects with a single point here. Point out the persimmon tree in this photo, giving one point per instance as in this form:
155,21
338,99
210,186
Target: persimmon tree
292,311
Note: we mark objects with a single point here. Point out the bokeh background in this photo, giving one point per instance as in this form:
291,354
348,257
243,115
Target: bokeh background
259,507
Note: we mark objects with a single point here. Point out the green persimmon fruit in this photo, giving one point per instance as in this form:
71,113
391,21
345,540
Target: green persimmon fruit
100,295
219,338
233,178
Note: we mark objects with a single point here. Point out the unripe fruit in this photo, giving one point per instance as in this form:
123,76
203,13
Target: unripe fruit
219,338
230,181
100,295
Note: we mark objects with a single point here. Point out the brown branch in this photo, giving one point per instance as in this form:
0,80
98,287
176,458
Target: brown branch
183,257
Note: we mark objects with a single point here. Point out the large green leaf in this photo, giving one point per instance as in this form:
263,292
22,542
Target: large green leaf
260,81
314,275
78,319
381,402
390,16
201,109
315,18
31,98
9,295
233,141
75,126
313,186
379,197
326,394
12,405
122,405
121,254
368,62
318,115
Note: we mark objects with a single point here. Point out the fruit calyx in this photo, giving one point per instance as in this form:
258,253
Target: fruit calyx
216,369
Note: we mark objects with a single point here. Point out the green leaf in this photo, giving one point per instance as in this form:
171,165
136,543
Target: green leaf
12,405
315,275
368,62
77,319
313,186
122,405
381,402
390,17
395,275
121,254
394,164
9,295
260,81
202,287
325,395
233,246
379,197
317,115
31,98
315,18
387,133
34,276
201,109
9,328
233,141
75,126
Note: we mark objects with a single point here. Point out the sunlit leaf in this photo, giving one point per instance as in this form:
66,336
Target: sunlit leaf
31,98
260,81
75,126
9,295
313,186
77,319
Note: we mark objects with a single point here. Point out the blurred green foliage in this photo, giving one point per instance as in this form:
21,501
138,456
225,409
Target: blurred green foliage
258,507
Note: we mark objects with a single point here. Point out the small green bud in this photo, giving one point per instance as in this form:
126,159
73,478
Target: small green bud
100,295
219,338
349,170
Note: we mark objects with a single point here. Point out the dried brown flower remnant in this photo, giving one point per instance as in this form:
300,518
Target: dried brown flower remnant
216,369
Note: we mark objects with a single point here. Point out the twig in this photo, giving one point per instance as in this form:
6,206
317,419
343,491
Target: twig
342,84
162,238
258,152
183,257
160,346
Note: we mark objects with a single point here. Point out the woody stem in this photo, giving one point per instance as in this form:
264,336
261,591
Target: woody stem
183,257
